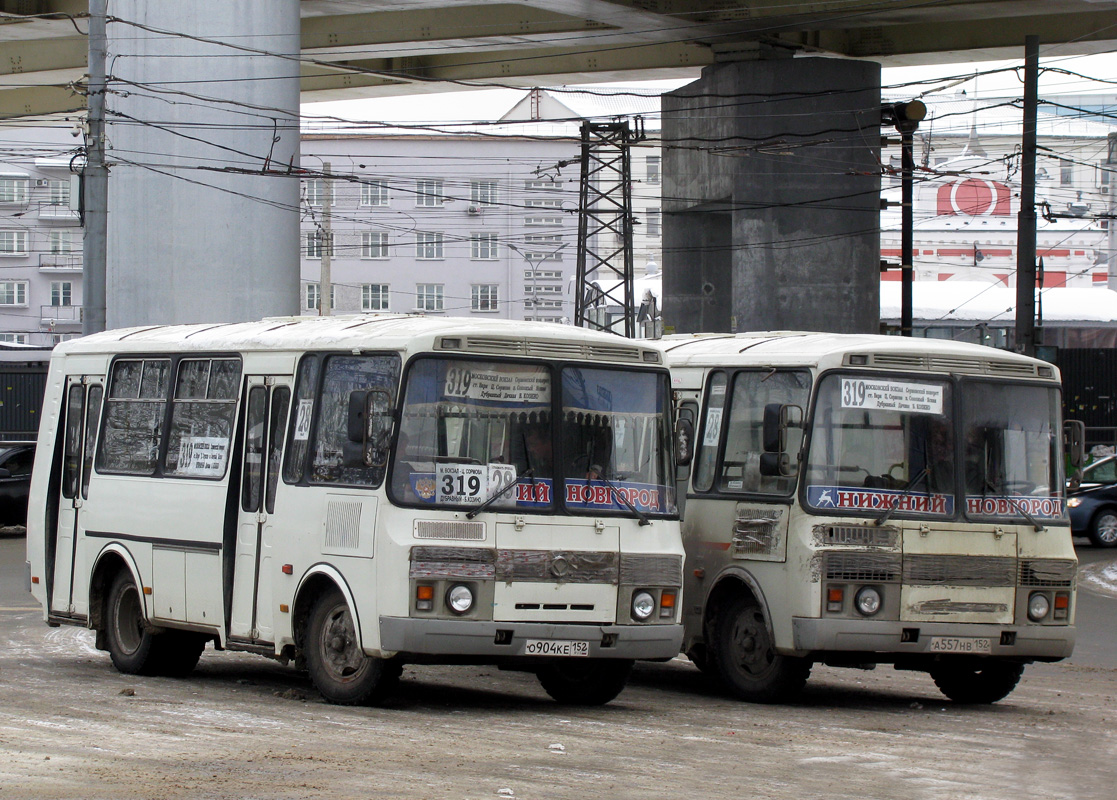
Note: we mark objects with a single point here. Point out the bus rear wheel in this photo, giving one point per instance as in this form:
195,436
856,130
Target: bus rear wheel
587,682
975,684
742,654
340,670
133,648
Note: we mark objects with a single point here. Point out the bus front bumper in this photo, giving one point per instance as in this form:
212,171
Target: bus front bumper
450,637
1046,642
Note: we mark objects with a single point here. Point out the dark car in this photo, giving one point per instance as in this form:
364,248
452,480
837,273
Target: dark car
16,459
1093,505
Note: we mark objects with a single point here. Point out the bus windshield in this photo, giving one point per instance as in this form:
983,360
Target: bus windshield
879,442
1011,450
470,429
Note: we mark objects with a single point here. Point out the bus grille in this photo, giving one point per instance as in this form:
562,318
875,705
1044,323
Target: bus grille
861,535
554,349
1047,572
649,570
453,530
559,566
879,567
959,570
755,532
981,366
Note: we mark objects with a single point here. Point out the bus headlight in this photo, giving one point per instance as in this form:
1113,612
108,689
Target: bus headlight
1038,606
459,598
867,601
643,605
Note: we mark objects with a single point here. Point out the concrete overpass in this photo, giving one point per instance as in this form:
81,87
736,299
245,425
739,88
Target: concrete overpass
362,48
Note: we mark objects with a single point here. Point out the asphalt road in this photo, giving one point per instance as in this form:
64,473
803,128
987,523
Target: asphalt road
244,727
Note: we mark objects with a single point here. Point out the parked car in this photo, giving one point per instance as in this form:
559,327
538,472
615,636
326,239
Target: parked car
1093,504
16,459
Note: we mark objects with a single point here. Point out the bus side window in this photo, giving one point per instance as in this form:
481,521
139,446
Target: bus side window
280,403
75,407
298,441
707,450
92,422
134,416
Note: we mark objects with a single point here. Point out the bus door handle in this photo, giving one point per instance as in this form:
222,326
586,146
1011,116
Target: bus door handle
261,517
77,502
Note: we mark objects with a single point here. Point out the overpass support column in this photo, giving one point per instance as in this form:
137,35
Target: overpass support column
203,130
772,197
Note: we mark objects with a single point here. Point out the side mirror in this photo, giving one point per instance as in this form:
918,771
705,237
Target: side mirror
684,441
5,472
775,460
378,432
1074,445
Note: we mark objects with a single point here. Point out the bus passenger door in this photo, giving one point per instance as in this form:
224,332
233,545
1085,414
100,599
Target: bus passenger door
82,417
267,405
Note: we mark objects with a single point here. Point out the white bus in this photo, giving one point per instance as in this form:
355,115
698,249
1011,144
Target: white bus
357,493
861,500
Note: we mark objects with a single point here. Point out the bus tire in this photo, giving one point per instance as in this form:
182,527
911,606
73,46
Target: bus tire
741,652
585,682
339,669
134,650
974,684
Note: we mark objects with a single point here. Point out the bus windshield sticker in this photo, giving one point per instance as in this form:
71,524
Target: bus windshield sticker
886,395
497,384
473,484
204,456
845,498
713,427
302,421
594,494
1012,506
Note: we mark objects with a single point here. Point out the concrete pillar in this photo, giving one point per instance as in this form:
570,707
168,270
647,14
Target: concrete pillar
771,198
196,232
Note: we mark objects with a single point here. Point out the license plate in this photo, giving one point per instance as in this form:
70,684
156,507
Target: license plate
555,647
961,644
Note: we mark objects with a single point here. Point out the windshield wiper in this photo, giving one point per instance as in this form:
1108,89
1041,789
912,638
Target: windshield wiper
883,518
640,515
492,499
988,487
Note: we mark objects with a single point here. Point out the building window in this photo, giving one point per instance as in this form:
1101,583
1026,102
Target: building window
13,338
544,289
543,203
1066,173
542,183
13,243
482,246
374,297
543,220
542,275
312,243
61,293
13,190
58,193
543,247
60,242
13,293
484,297
316,192
482,193
428,193
374,193
374,245
314,296
652,163
651,220
428,246
428,297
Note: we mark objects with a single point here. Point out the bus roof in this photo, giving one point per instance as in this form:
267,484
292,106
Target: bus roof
827,350
370,332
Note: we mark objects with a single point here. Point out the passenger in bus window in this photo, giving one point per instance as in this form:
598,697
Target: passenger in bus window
940,456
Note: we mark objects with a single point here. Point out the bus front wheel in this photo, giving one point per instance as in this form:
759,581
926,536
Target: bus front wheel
746,661
585,682
133,649
977,684
338,667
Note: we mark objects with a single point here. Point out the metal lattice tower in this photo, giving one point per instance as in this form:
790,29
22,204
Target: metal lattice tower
603,295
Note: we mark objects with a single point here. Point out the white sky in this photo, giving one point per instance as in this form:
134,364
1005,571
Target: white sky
474,105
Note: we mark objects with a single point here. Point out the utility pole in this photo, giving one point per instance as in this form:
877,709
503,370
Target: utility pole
325,285
95,183
1110,183
1026,219
906,117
